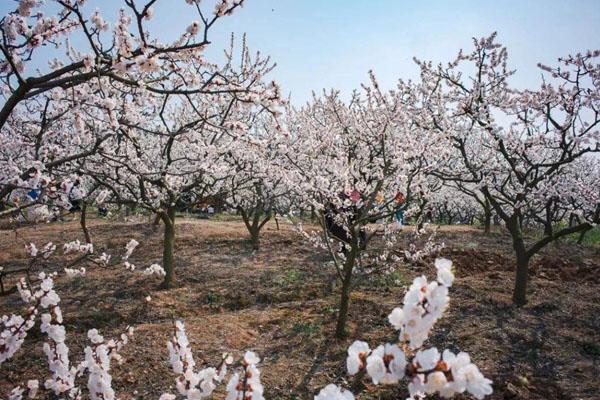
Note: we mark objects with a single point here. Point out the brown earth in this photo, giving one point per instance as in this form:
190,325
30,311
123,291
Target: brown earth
281,303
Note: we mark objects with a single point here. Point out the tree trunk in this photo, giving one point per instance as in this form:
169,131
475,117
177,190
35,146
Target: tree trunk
548,229
156,222
168,218
549,217
582,236
254,224
521,276
520,290
419,217
82,218
487,217
340,329
255,238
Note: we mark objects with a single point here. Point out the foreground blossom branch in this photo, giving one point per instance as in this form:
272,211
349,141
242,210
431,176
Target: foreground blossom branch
191,384
16,327
426,370
197,385
62,381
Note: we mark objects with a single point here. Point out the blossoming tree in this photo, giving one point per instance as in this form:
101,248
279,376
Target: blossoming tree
126,47
124,53
174,151
254,190
528,138
356,162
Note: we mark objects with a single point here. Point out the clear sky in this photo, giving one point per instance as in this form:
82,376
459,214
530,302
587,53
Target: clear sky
333,43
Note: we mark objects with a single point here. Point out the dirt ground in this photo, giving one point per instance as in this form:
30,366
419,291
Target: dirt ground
281,303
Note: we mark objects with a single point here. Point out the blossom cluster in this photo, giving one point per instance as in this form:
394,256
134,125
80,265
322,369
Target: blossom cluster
73,272
424,304
200,384
46,251
15,327
77,246
248,385
154,269
130,247
192,384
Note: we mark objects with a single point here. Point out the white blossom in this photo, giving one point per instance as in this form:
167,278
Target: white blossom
334,392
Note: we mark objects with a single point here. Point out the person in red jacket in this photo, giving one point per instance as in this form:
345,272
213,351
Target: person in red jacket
400,201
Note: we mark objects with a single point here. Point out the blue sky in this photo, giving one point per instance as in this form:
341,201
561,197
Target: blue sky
333,43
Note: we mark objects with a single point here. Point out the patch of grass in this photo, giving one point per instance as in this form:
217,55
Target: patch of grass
111,244
95,319
306,329
396,278
330,310
238,301
213,299
290,277
591,238
467,246
129,292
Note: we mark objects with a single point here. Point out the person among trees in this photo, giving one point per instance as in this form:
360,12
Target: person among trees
75,194
429,214
351,212
400,201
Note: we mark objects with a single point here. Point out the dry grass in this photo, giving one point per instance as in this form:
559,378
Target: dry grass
281,303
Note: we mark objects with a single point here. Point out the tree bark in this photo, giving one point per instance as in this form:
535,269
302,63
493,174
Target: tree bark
168,218
276,221
340,328
521,278
82,222
548,229
254,224
572,218
255,239
522,258
156,222
582,236
487,217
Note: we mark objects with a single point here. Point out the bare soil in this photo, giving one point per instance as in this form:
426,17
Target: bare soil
281,302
